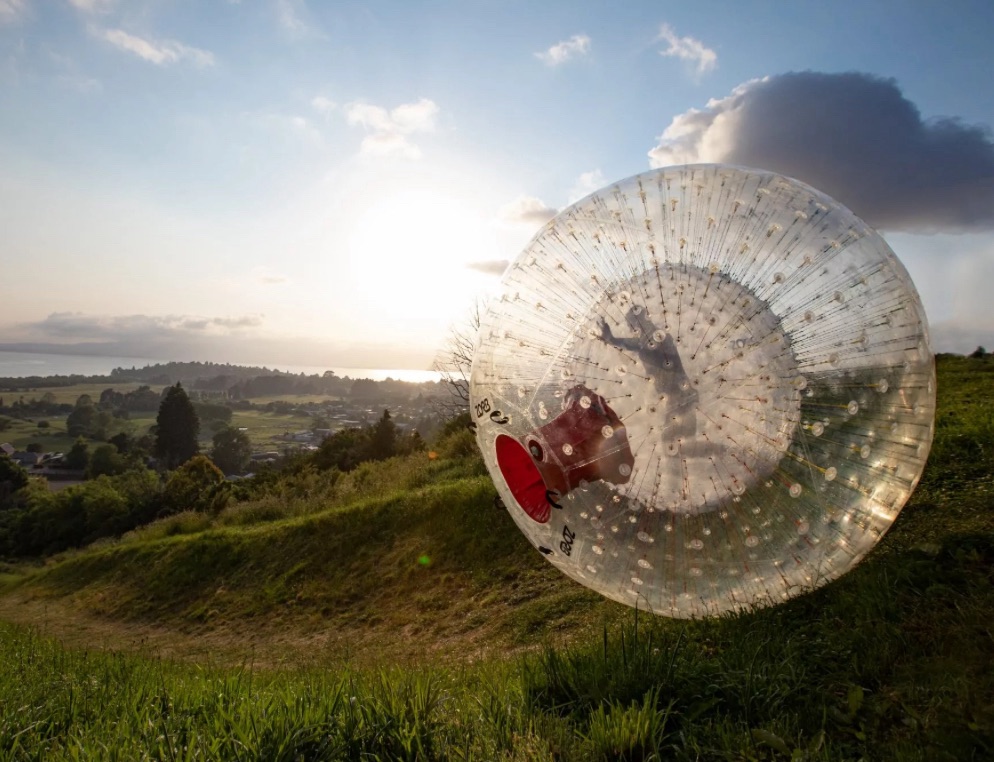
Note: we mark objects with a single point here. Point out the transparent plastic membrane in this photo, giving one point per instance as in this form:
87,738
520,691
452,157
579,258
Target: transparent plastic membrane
704,388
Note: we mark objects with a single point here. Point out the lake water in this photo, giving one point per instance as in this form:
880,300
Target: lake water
21,364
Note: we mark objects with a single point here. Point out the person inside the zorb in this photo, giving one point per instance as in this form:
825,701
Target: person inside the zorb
673,400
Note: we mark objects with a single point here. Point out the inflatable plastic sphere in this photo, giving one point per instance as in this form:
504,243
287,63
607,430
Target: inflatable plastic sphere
703,389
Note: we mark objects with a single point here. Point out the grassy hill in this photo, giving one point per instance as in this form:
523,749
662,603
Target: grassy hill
408,558
373,614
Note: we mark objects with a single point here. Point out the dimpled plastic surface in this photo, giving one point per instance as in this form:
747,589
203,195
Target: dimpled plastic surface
703,389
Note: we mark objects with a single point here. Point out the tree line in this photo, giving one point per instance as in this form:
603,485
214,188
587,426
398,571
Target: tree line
126,490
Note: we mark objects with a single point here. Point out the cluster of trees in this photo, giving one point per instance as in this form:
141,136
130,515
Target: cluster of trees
97,420
122,492
174,438
21,408
235,381
244,382
140,400
347,448
213,414
177,432
119,454
87,420
265,386
35,521
27,383
191,372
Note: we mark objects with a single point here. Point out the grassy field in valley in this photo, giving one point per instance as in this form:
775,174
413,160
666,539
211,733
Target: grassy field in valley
263,428
393,613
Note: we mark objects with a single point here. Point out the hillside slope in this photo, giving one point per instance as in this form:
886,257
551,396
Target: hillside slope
409,559
433,571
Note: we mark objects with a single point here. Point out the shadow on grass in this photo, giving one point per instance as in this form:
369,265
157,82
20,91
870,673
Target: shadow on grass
892,661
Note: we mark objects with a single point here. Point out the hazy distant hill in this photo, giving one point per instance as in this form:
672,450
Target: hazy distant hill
183,372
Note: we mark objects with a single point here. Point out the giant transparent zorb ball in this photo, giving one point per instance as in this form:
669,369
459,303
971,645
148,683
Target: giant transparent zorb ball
704,388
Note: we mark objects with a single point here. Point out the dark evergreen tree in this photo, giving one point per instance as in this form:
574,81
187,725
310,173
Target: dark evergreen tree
177,428
383,443
412,442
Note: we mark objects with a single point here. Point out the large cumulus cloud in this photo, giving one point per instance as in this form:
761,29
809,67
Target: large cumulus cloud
855,137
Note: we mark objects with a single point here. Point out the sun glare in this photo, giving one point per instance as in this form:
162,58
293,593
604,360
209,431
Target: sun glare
409,256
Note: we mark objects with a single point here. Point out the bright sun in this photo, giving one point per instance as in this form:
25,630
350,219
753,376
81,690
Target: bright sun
409,253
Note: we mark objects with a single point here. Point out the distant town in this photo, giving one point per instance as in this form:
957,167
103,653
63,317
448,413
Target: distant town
43,418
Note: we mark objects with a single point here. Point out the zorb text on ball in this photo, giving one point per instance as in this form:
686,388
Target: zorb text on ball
703,389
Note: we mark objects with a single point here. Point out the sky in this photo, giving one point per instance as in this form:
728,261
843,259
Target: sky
336,183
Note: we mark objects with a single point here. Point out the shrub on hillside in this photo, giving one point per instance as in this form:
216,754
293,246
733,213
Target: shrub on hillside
458,444
197,485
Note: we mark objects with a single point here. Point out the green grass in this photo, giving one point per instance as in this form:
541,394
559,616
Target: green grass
265,428
409,548
80,705
890,663
325,635
21,433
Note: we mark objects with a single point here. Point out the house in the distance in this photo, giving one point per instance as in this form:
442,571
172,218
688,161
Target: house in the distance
26,459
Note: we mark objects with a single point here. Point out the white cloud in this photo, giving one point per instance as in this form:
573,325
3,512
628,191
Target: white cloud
561,52
161,53
323,105
140,335
80,326
853,136
586,184
688,49
415,117
406,118
389,130
389,144
365,114
12,10
526,210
